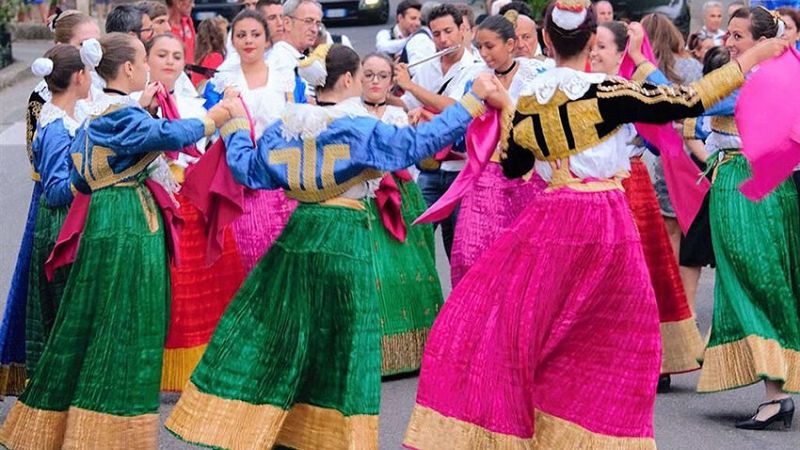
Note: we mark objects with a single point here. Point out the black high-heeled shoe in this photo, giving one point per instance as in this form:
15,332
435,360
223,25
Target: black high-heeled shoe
784,414
664,383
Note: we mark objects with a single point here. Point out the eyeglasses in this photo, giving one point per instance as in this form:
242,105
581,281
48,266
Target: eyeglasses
382,76
308,21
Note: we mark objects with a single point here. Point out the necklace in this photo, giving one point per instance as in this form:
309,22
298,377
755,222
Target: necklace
375,105
113,91
322,103
507,71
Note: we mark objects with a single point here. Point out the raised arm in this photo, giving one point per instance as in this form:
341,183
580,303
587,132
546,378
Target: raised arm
248,163
389,147
649,73
132,130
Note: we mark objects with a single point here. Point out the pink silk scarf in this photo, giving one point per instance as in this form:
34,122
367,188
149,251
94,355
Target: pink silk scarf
680,172
769,123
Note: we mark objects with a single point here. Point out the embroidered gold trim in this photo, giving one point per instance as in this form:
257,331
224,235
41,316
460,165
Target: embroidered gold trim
179,363
99,173
682,346
31,428
749,361
563,178
429,429
91,430
643,71
719,84
506,124
333,191
178,172
677,94
210,420
12,379
209,127
35,176
402,352
724,124
690,128
472,104
149,207
342,202
234,125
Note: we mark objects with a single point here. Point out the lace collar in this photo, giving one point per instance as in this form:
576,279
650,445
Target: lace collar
572,83
277,80
104,101
50,113
307,121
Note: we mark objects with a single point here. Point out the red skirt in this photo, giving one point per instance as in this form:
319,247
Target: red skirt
200,295
680,338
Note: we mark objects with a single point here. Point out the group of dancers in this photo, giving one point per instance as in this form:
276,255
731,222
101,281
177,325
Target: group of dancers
254,246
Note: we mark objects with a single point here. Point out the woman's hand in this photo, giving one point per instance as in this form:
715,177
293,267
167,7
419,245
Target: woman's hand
762,51
500,98
635,42
148,98
485,85
219,114
231,92
235,107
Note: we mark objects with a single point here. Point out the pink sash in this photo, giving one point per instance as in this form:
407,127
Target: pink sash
680,172
768,120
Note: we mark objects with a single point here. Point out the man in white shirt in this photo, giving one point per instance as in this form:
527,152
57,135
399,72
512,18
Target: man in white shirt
435,87
409,21
302,20
712,21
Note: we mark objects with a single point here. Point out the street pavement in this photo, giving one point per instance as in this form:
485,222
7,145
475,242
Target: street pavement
684,420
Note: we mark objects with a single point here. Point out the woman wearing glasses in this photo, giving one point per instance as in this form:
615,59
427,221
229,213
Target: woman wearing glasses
265,92
409,290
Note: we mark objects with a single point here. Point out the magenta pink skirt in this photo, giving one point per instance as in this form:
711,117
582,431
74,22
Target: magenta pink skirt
486,212
550,341
265,215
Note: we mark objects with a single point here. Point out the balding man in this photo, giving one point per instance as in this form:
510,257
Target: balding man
604,11
527,45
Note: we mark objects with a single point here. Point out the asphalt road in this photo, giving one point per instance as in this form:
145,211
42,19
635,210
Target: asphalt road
684,420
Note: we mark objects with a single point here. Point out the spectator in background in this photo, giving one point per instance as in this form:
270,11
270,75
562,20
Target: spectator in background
791,19
712,21
409,21
272,12
604,11
180,21
468,28
699,44
209,47
734,6
420,44
527,43
130,19
42,6
248,4
159,15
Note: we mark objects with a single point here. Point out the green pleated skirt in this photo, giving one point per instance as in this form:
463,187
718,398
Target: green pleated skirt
755,333
101,367
409,292
295,360
43,295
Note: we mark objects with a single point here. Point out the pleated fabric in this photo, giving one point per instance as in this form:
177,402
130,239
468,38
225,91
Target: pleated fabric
550,341
681,342
755,332
408,286
43,295
104,355
486,212
12,329
295,360
265,215
200,295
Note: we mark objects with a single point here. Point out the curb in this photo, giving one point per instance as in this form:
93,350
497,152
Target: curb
27,31
16,72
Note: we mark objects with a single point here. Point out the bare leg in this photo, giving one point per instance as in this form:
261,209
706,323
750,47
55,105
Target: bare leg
774,392
674,232
44,8
691,278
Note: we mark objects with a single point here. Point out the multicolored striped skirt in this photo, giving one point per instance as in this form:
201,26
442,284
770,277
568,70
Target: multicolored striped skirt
755,333
296,358
409,292
12,329
550,341
486,212
103,358
200,294
681,342
265,215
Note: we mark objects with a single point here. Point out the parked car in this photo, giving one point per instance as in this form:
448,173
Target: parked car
677,10
204,9
366,11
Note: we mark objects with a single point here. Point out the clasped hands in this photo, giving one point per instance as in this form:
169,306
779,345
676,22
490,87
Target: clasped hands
230,107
